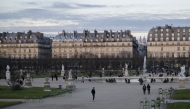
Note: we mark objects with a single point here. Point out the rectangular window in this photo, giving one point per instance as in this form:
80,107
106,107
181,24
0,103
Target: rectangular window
183,48
178,48
172,34
161,48
29,51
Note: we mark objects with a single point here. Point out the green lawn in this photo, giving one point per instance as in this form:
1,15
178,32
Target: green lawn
179,105
183,94
37,92
6,104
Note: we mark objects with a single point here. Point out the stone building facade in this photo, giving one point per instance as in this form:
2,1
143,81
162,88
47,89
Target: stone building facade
101,44
23,45
168,43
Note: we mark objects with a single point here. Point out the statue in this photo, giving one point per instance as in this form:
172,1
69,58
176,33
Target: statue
62,67
126,66
8,67
181,74
70,74
21,72
126,70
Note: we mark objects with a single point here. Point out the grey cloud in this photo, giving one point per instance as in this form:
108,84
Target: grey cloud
114,24
37,14
31,3
61,5
91,6
74,5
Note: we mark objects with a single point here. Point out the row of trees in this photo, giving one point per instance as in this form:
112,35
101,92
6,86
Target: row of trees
87,63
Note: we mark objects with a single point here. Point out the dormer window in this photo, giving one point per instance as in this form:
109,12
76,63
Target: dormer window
183,30
161,30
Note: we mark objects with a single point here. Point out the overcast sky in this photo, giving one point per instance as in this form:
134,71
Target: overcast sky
53,16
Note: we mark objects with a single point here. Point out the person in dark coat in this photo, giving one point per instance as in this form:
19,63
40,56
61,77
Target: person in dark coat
148,88
144,89
52,77
93,92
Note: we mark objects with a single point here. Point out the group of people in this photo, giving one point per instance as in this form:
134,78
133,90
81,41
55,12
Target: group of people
146,87
54,76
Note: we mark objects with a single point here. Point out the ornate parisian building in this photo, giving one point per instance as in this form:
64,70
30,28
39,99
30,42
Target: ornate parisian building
103,44
24,45
169,46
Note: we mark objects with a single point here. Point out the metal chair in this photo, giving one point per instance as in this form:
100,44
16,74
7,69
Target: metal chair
40,100
152,104
141,104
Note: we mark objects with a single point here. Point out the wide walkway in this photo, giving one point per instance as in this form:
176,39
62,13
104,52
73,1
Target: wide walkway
108,95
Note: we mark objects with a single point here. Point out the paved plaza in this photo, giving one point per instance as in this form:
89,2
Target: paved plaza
108,95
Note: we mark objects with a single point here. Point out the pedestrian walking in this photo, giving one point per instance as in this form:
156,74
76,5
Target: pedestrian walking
148,88
93,93
144,89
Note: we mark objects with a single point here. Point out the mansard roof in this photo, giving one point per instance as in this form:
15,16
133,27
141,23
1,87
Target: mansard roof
87,36
170,32
23,37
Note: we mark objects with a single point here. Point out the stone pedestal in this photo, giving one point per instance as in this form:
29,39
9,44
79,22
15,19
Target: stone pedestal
47,85
62,72
126,73
28,83
70,84
8,75
181,83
